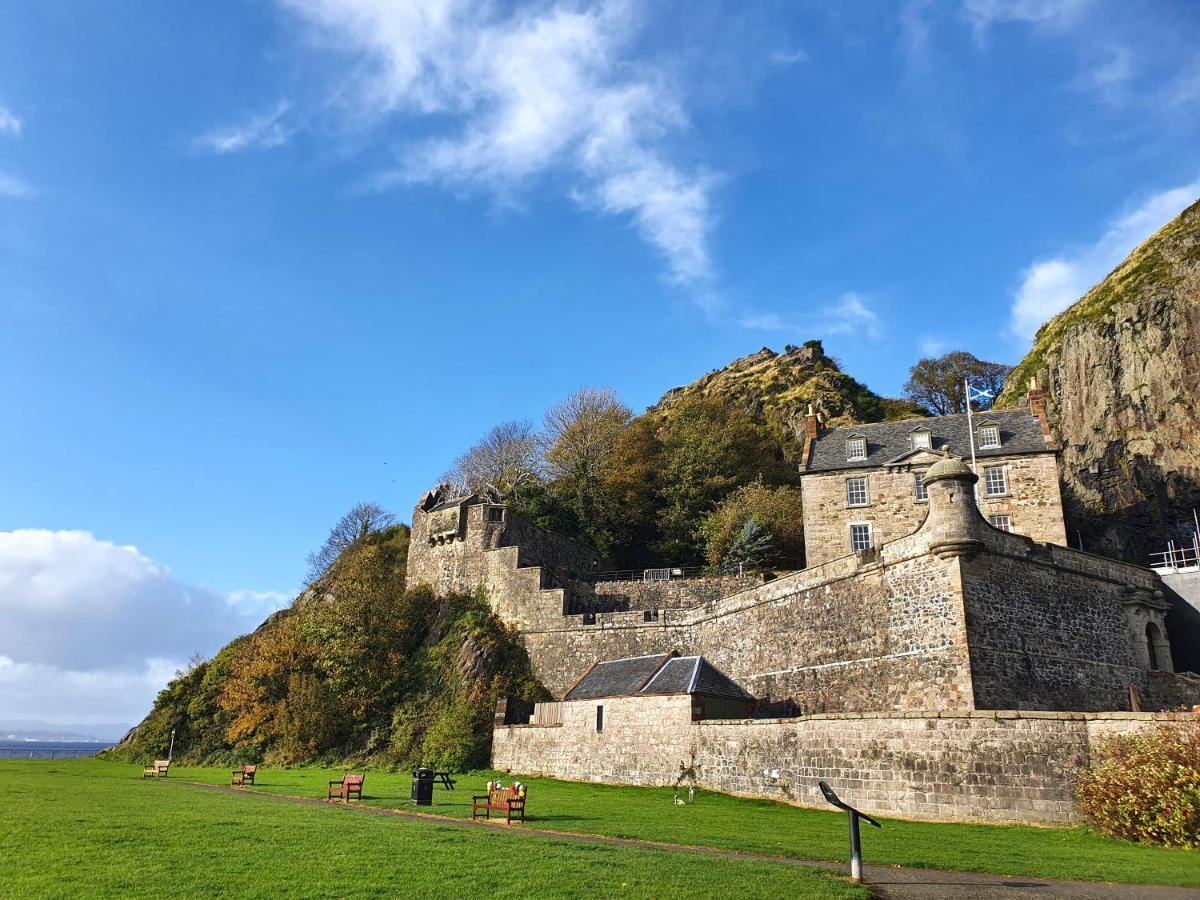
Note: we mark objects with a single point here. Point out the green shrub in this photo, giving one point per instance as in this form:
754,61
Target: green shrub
1146,787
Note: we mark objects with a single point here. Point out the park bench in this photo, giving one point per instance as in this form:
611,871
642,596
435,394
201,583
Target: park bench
158,770
346,788
510,801
244,775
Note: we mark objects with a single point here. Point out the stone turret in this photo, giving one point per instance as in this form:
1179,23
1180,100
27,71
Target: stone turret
954,519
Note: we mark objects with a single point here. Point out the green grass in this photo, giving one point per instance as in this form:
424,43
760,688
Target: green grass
91,828
730,823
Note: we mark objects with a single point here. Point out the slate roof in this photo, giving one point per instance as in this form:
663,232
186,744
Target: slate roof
1020,432
617,677
694,675
660,673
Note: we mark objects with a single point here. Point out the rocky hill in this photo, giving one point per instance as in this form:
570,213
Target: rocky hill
776,389
1122,371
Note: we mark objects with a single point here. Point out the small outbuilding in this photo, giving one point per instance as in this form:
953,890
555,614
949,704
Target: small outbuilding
714,695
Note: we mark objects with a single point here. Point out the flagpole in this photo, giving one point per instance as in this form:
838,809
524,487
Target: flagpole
970,425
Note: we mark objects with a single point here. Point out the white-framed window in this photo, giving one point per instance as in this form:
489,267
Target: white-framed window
856,491
995,481
860,536
920,492
856,449
1004,523
921,440
989,437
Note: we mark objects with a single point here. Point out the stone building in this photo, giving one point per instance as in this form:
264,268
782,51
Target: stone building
862,484
950,668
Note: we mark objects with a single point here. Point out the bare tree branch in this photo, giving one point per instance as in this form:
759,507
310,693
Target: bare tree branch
507,459
363,519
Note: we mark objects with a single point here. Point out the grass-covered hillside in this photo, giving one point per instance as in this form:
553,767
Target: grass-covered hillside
358,667
777,388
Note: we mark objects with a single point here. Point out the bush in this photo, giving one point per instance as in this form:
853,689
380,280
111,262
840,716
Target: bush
1146,787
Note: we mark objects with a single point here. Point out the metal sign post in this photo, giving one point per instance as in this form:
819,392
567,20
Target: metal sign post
855,842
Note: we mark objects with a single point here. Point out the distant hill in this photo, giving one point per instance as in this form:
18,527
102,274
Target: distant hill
37,730
1122,370
777,388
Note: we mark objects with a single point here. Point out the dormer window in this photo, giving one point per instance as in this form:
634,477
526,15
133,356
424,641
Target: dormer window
989,437
921,439
856,449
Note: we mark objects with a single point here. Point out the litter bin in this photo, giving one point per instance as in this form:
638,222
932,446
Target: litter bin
422,787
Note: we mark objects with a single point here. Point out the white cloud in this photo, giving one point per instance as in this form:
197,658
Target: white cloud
930,346
12,186
89,628
261,132
1049,286
516,94
789,57
983,14
9,123
850,314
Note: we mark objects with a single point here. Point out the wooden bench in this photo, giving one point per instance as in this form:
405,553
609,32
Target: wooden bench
510,801
346,788
444,779
244,775
158,770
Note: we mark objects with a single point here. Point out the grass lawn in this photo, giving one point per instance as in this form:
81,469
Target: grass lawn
730,823
87,828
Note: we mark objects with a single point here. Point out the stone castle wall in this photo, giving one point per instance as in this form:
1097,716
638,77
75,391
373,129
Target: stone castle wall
1033,503
1004,766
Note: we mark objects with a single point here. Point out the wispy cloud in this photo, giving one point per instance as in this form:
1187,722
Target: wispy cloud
513,95
259,132
849,314
791,57
984,14
9,123
12,186
1049,286
931,346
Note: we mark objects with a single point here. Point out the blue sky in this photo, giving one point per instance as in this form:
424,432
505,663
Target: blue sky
259,261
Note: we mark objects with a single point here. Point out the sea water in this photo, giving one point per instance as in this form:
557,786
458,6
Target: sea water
49,749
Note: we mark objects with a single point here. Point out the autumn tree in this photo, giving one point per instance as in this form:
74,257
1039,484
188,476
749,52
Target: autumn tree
708,451
507,459
580,436
362,520
937,383
777,508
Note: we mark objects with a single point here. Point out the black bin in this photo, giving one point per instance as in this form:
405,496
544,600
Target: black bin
422,788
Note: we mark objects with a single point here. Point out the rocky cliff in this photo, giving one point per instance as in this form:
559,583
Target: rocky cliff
1122,371
776,389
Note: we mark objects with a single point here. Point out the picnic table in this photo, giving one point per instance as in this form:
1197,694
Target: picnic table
444,779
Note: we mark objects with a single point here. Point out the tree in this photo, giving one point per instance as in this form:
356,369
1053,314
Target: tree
362,519
753,549
709,451
507,459
937,383
780,511
582,431
581,436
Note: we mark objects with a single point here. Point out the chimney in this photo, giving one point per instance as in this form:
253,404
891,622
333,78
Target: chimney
1037,405
812,425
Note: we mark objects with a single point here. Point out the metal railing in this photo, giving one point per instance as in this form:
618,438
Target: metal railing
670,573
1177,559
44,753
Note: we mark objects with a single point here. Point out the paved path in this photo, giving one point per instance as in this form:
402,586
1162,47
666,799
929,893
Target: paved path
890,882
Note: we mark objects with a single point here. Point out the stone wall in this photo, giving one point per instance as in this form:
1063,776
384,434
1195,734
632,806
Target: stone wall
681,593
1033,504
960,766
857,633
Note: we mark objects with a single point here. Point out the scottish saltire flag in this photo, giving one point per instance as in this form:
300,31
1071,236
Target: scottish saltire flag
977,394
